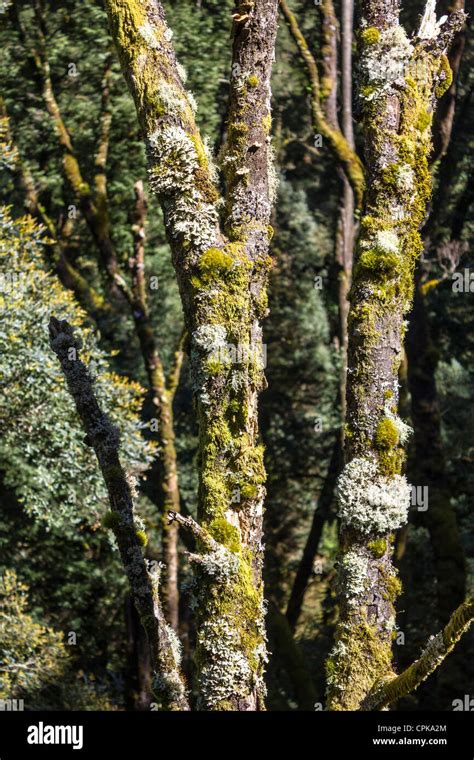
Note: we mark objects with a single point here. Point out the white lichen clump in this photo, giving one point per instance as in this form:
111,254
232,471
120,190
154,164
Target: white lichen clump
183,74
387,241
148,34
227,672
221,564
171,98
210,338
175,643
173,163
384,63
354,569
370,502
430,27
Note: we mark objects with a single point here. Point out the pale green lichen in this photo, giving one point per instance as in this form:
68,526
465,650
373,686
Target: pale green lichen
353,574
175,162
369,501
385,60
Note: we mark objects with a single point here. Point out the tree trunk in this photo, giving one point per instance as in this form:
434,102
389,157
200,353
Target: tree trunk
222,280
399,82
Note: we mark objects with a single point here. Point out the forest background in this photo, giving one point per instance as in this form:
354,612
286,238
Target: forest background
64,602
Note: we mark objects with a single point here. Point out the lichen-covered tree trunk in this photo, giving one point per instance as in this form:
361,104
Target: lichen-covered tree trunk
222,278
400,81
104,438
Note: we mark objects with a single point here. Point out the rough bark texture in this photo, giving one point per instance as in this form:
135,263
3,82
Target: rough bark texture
222,278
104,438
400,81
330,28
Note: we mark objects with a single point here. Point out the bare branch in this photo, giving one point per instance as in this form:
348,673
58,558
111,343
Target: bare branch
341,149
329,51
175,372
191,525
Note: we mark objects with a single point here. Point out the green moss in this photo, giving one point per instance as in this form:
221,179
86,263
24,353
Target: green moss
379,260
252,80
393,587
267,123
377,547
214,262
424,121
445,77
142,537
367,90
360,659
214,366
386,434
248,490
227,535
391,461
370,36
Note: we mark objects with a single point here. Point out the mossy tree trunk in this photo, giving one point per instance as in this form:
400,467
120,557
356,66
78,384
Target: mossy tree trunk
168,683
400,80
222,272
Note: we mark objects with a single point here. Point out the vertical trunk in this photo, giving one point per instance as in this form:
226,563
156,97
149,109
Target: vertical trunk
162,410
104,438
222,280
167,474
139,689
346,236
399,81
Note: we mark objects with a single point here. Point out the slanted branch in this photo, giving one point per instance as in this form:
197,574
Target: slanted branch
104,437
437,648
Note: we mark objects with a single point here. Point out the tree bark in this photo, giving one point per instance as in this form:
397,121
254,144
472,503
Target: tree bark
104,438
222,278
162,396
347,230
400,80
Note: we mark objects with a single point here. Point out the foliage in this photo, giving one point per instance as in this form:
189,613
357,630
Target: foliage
43,457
